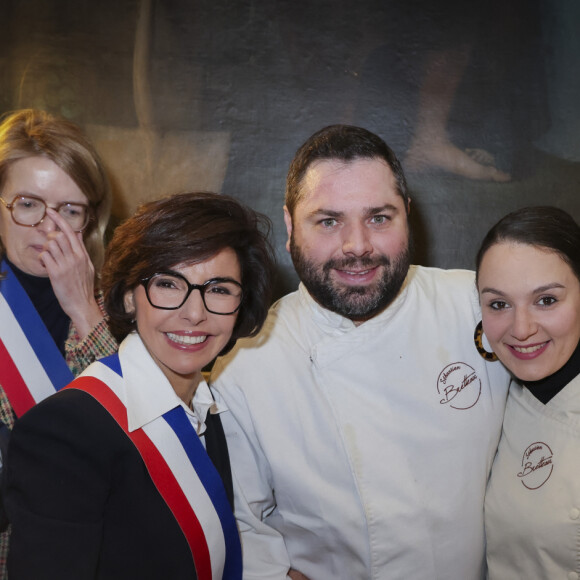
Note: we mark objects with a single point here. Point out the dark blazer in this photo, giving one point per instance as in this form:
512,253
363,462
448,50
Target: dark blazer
82,503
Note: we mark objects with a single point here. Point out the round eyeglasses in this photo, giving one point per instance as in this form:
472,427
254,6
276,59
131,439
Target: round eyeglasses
169,291
30,211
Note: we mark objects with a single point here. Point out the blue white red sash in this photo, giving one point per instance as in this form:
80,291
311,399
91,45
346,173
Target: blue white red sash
182,472
31,365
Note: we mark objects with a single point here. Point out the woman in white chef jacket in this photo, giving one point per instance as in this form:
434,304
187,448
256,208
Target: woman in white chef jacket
528,277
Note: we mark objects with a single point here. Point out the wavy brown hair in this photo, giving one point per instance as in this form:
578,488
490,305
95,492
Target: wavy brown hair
188,228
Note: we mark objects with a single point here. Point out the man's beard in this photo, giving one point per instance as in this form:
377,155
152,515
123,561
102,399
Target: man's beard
355,302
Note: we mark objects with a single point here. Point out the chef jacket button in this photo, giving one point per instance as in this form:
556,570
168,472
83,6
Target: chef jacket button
572,576
574,515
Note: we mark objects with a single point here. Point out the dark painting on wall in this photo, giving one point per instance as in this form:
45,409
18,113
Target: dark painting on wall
479,100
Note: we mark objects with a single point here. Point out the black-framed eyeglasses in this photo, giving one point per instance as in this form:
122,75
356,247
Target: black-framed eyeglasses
170,291
30,211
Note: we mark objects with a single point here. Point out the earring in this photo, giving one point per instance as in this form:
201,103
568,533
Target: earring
478,339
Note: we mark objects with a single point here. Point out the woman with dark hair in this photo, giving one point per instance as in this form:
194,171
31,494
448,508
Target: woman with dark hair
54,207
528,276
125,473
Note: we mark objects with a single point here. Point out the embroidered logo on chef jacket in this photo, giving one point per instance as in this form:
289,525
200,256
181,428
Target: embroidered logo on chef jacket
459,385
537,465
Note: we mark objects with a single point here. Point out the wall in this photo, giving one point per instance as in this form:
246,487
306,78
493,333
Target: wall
479,100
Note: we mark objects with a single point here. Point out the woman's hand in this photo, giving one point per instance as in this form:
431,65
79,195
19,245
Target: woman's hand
71,274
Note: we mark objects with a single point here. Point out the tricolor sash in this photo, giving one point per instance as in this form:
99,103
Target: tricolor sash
182,472
31,365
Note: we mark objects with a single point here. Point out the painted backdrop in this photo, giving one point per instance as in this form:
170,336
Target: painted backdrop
480,100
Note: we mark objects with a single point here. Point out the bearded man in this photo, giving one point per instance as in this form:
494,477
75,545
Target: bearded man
362,421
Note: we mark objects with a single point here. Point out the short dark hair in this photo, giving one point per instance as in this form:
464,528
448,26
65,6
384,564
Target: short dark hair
343,143
546,227
184,229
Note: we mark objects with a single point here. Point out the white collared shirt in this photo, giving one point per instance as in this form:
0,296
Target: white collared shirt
148,394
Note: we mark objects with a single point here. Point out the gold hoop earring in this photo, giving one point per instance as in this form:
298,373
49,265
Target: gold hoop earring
478,340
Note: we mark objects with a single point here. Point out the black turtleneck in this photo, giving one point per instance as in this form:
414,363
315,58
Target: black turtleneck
546,389
42,296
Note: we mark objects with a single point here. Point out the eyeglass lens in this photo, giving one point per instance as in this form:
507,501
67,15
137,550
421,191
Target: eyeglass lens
30,211
220,297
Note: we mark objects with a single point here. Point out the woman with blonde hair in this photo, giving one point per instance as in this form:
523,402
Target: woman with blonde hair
55,202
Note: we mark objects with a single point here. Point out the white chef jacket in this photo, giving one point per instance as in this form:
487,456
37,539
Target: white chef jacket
363,452
532,508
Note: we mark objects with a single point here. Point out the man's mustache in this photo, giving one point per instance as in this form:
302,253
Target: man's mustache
357,263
